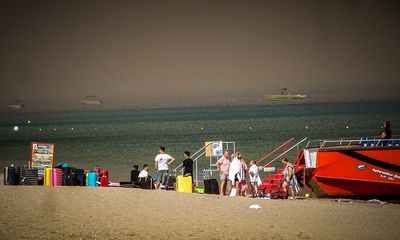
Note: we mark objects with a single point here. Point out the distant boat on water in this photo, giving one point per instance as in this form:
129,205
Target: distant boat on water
16,105
285,95
91,100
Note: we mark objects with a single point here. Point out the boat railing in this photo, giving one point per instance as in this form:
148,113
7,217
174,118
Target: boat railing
283,146
286,151
363,142
197,156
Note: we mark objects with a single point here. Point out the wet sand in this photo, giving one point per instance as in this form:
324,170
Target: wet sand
29,212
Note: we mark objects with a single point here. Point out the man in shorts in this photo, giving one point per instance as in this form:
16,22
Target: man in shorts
290,180
223,167
162,161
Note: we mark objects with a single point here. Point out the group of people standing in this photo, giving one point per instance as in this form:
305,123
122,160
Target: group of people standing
232,175
161,166
233,172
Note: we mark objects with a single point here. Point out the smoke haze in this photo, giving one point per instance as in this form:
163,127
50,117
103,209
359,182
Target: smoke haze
132,53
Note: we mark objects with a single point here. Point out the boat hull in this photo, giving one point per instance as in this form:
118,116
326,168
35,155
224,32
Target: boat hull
283,97
356,172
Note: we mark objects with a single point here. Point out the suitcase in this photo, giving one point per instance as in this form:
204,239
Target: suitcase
103,178
211,186
170,182
92,179
80,177
5,180
67,170
69,179
47,176
164,180
103,181
145,183
184,184
11,175
56,177
29,177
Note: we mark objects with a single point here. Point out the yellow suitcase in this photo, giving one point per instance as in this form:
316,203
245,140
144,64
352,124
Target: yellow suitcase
47,176
184,184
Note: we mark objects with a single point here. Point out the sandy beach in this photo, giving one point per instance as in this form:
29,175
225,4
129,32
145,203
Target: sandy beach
121,213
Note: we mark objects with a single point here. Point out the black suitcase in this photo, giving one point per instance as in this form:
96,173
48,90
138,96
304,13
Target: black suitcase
170,182
146,183
69,179
11,175
67,170
211,186
29,177
134,175
80,177
5,180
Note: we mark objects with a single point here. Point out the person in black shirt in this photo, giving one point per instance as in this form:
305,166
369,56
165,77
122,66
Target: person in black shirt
386,133
187,165
135,173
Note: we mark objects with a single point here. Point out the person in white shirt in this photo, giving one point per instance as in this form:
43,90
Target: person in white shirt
162,161
254,177
145,172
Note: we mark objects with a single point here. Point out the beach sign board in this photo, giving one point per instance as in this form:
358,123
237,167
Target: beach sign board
214,149
42,155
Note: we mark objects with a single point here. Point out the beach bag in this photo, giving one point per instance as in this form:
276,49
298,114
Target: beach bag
199,190
233,192
279,195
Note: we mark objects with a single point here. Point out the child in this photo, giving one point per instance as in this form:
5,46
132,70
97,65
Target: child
242,188
254,178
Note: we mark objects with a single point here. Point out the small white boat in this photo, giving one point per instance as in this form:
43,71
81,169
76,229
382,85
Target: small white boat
16,105
285,95
91,100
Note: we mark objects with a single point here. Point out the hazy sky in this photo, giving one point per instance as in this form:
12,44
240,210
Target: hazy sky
138,52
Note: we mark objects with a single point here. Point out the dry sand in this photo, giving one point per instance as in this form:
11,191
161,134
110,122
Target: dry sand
29,212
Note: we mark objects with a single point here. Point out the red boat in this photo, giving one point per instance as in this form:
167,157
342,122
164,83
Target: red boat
356,168
338,168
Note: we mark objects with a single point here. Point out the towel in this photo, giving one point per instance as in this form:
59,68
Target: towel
235,169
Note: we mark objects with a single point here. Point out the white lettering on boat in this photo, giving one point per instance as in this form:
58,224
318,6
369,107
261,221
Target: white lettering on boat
386,175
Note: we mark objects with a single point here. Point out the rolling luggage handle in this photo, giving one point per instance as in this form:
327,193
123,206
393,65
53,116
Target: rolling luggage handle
207,174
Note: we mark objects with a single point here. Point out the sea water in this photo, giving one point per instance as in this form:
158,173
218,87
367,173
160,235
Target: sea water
115,140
